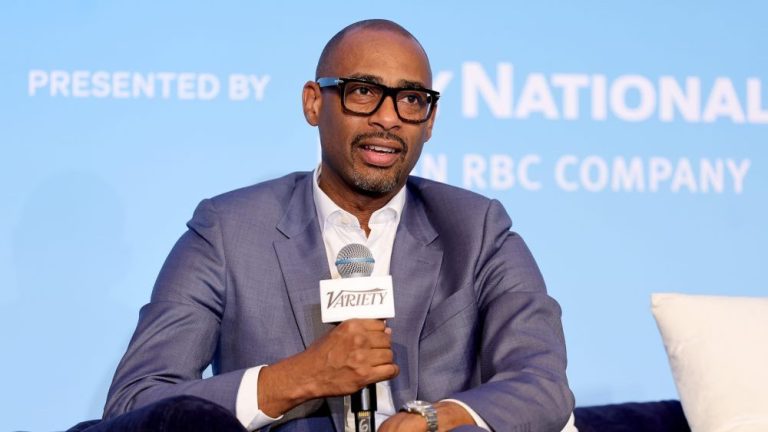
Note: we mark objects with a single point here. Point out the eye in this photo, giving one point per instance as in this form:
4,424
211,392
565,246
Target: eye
414,98
361,90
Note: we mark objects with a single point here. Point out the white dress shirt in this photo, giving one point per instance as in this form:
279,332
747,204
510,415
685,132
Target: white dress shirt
340,228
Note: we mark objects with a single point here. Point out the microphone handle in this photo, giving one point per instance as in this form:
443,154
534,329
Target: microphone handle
363,405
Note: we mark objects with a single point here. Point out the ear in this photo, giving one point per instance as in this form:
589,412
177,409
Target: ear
311,101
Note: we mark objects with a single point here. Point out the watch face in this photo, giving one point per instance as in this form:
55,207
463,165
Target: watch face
419,404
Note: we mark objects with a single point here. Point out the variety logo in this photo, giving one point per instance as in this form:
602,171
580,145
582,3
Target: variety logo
345,298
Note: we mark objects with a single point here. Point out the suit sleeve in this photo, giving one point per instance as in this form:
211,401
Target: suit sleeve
178,330
522,347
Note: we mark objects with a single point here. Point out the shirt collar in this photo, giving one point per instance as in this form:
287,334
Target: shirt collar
329,212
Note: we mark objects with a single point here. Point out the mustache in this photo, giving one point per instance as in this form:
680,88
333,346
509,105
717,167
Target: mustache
380,135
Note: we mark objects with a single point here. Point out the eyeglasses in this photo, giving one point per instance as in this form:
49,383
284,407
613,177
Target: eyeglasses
362,97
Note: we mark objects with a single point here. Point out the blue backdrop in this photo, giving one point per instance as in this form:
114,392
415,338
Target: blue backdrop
627,141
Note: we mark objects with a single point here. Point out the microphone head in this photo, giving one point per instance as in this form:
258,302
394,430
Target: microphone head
354,260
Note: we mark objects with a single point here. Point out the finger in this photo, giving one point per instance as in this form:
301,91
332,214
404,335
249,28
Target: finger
383,372
373,324
377,357
379,340
358,325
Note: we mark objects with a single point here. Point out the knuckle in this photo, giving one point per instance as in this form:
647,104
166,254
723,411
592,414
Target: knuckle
361,376
358,340
357,357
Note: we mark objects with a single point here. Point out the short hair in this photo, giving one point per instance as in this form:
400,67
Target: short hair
323,64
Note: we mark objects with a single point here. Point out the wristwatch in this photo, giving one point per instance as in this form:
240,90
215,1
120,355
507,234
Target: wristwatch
426,410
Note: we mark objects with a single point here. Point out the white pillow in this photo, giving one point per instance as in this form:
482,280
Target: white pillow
718,352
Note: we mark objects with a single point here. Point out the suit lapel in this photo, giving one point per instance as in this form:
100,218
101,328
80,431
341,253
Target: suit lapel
303,263
415,267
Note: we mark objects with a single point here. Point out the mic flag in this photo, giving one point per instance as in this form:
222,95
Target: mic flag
357,294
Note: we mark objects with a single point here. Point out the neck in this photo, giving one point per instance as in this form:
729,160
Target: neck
358,203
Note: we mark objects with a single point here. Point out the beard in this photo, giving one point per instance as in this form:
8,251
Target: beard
378,184
376,181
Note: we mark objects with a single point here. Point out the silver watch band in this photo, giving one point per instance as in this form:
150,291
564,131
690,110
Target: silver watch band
426,410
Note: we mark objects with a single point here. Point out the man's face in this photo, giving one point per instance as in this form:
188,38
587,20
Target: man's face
372,155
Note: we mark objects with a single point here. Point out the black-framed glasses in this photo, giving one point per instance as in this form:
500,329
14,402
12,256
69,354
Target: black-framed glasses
363,97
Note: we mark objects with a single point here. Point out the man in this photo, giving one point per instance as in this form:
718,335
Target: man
475,333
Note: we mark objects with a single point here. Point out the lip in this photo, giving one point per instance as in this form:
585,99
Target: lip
382,143
379,153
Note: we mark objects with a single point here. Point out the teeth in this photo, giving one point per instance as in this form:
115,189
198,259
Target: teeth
380,149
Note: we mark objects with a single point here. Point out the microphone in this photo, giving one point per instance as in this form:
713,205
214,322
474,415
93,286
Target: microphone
358,295
355,260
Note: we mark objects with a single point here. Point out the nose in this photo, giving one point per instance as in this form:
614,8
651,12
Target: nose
386,116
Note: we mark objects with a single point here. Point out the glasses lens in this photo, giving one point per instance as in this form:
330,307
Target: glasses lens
413,104
362,98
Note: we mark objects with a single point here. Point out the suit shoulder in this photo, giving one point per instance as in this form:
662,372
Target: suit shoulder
440,195
270,194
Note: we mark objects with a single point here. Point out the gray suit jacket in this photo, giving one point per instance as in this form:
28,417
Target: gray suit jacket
240,288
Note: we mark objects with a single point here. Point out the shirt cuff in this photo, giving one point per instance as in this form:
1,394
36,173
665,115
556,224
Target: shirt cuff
475,416
247,404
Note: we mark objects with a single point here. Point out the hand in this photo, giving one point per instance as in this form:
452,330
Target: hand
406,422
354,354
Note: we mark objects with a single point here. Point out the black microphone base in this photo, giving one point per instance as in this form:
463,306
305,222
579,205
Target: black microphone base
364,407
365,421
